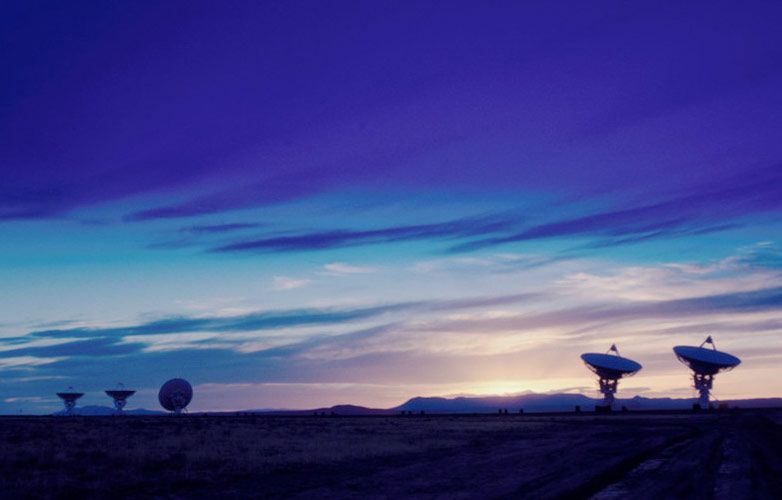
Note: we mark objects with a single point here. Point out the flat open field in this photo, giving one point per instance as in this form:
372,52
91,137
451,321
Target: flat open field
722,455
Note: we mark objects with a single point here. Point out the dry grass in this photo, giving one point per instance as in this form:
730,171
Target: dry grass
56,451
97,457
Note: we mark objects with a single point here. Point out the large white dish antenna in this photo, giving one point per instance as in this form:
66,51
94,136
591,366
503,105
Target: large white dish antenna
610,367
705,363
175,395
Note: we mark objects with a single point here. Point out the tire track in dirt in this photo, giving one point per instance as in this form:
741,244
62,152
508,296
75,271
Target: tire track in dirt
682,469
733,457
751,461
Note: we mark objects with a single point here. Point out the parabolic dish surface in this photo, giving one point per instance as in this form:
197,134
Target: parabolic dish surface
707,361
609,365
70,395
120,393
175,394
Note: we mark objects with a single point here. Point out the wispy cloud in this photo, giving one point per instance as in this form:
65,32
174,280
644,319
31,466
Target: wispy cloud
510,334
343,268
27,399
762,254
238,323
213,332
495,263
276,189
708,209
83,347
219,228
458,228
25,362
719,206
288,283
417,328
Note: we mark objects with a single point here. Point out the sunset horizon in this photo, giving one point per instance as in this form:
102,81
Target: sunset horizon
299,205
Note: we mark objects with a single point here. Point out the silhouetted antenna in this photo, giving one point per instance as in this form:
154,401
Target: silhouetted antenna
175,395
120,396
705,365
69,398
610,368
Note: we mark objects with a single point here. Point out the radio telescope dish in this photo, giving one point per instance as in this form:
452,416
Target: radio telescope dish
69,398
705,364
175,395
609,368
120,396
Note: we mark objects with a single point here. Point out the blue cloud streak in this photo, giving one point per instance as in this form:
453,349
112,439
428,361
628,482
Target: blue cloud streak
461,228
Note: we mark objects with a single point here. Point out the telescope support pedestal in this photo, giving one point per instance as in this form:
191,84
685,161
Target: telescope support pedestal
703,384
119,405
608,388
69,406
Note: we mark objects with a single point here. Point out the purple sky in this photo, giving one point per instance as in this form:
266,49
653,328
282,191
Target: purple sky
305,203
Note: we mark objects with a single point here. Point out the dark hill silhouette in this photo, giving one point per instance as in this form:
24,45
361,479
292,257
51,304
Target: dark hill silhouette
529,402
343,409
558,402
484,404
354,410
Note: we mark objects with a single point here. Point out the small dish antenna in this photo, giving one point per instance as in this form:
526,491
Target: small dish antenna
705,363
120,396
609,368
69,398
175,395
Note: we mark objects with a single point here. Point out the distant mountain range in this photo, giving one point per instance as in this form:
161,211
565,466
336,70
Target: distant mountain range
534,403
528,402
331,410
558,402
